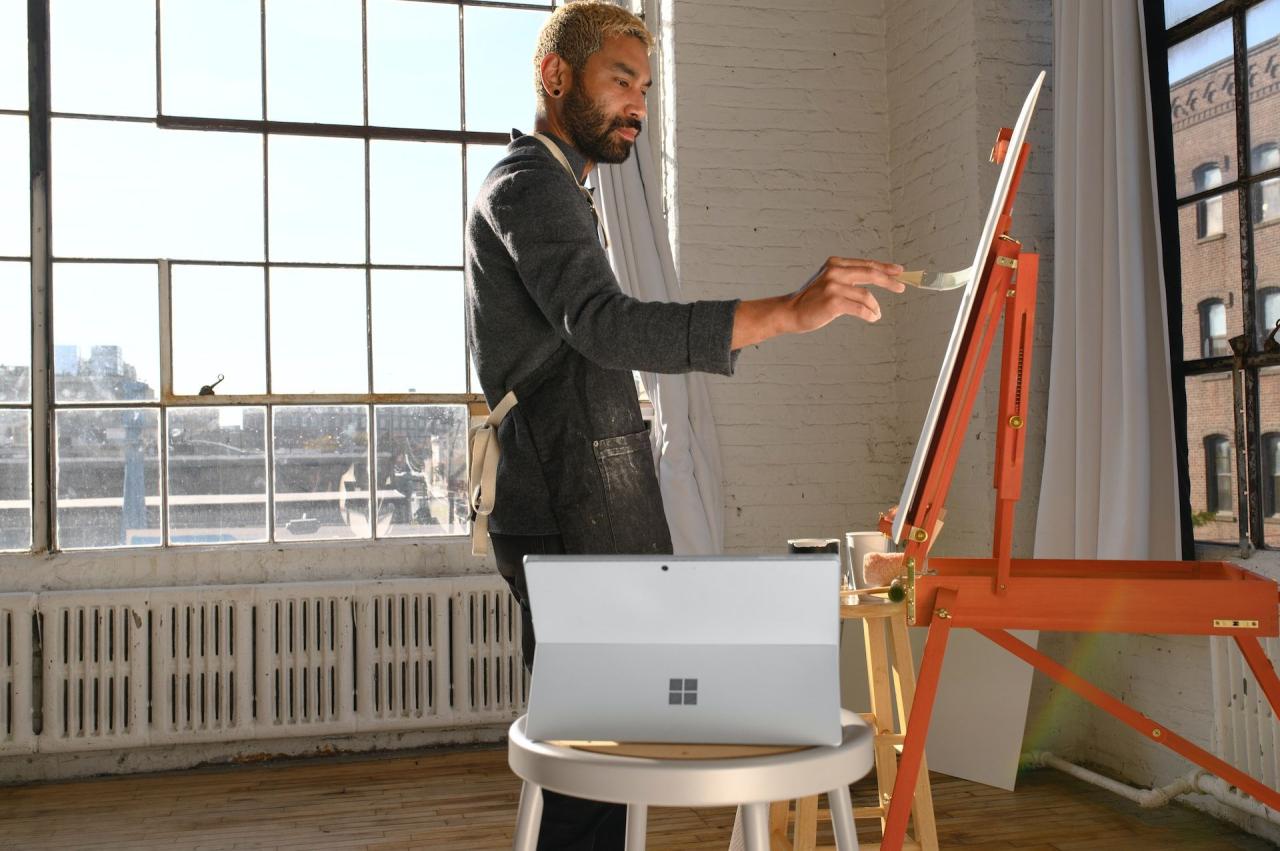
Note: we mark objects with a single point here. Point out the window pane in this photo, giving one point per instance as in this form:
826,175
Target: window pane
314,61
415,196
1262,26
1266,260
104,56
422,470
1209,415
15,187
318,333
1210,268
106,336
419,344
1176,11
131,190
413,65
217,475
1269,417
480,161
499,66
321,456
15,332
317,200
1201,99
218,329
1267,311
211,58
15,480
13,54
108,481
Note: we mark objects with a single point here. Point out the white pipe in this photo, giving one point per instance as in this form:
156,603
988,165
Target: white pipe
1198,781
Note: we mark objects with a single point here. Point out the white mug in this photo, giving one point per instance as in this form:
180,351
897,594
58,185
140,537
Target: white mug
856,546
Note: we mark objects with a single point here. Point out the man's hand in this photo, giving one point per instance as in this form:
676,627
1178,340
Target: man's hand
838,289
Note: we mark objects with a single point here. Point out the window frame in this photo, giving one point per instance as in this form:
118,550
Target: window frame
42,403
1204,204
1206,308
1257,192
1214,491
1241,366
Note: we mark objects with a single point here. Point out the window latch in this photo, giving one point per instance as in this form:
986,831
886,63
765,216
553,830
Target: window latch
207,390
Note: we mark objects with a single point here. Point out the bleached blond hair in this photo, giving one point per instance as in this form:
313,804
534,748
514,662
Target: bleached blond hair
578,29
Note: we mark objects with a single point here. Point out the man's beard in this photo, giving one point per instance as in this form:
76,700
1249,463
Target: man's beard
591,131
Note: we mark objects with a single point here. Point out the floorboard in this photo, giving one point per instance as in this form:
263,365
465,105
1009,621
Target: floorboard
465,800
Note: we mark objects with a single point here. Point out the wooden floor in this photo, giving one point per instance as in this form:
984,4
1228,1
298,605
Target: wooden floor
466,799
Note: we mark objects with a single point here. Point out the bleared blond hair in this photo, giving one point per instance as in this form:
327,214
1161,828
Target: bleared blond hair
578,29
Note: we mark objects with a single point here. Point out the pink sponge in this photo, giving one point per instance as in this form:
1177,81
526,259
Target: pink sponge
881,568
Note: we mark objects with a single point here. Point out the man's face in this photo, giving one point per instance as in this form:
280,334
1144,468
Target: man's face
604,108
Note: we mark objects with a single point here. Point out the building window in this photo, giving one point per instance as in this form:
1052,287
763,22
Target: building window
1217,466
1264,196
1216,155
1270,473
256,280
1208,210
1268,312
1213,328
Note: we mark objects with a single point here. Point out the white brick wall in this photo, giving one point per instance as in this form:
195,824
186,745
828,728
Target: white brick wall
781,155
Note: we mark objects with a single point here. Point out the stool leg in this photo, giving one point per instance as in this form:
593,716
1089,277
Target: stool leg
637,822
528,818
755,818
841,804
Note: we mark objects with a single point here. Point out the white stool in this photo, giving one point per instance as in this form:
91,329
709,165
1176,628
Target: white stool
641,782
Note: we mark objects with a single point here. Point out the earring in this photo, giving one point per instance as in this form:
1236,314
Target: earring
556,93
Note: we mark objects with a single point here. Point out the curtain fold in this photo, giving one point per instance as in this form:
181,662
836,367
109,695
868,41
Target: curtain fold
1109,487
686,448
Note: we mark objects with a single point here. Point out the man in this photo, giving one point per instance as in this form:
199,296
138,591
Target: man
548,324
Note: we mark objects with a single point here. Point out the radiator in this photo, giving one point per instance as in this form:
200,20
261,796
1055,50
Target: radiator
133,667
16,613
1246,733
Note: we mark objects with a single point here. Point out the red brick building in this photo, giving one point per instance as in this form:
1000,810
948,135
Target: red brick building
1204,140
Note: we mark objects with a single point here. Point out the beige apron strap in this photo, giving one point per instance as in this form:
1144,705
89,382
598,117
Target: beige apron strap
484,472
560,157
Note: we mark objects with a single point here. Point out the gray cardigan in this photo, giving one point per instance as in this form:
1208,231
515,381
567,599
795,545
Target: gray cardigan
536,275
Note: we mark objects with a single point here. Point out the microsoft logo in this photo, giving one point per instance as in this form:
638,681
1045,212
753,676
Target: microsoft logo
681,692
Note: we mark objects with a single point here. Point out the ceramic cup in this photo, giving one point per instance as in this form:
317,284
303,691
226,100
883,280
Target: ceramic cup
856,547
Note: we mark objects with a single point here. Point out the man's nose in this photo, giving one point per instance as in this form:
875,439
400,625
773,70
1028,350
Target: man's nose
637,108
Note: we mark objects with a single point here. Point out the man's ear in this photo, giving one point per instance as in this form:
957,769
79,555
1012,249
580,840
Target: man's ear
557,75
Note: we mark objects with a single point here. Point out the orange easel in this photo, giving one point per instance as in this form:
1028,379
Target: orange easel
992,595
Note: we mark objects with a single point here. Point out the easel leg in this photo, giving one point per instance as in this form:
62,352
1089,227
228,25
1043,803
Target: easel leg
918,723
1157,733
904,678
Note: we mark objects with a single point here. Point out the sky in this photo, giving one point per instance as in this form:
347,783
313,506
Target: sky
1215,44
127,190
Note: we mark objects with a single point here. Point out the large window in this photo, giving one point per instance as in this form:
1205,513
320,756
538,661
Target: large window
250,271
1218,168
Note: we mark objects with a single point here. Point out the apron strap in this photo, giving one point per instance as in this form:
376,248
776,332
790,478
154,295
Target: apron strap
560,157
485,452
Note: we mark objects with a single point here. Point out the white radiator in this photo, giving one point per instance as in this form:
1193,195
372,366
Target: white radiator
1246,732
133,667
16,733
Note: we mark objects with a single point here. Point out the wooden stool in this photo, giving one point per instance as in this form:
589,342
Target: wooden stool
877,615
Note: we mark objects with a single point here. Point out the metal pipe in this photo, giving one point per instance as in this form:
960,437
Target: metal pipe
1197,781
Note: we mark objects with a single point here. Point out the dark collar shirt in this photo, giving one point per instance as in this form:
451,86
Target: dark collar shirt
536,277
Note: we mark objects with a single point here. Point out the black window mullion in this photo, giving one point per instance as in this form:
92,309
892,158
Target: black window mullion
39,107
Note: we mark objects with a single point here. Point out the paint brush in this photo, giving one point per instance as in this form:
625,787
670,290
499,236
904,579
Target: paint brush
940,282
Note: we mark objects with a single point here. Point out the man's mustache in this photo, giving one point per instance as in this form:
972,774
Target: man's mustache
621,123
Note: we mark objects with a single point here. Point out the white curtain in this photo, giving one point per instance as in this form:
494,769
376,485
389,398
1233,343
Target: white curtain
1109,488
686,448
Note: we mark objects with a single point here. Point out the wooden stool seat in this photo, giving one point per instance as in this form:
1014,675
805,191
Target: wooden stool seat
877,615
